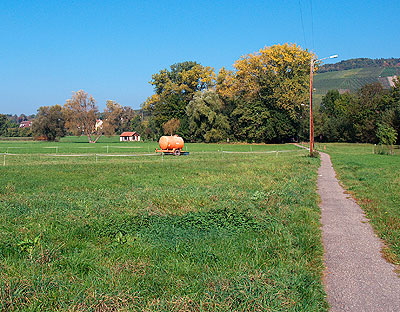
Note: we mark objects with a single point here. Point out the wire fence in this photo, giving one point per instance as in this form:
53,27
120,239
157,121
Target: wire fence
42,158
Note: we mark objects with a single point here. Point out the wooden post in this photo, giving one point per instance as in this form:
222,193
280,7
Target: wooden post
311,112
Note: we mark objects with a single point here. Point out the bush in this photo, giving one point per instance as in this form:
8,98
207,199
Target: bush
387,138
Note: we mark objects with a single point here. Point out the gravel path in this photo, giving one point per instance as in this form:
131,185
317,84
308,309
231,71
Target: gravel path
357,278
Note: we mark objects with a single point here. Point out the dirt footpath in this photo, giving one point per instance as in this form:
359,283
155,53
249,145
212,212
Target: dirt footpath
357,278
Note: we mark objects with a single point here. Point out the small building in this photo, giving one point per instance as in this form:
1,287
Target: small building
25,124
129,136
99,124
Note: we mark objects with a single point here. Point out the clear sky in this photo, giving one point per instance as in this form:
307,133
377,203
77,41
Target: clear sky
110,49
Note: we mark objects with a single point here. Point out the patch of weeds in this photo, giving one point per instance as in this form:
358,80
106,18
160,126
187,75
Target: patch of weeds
163,226
28,245
258,195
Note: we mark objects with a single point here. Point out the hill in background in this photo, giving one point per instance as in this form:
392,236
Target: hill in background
350,75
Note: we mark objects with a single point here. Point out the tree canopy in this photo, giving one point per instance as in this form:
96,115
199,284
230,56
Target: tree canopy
174,88
362,116
49,123
81,115
206,119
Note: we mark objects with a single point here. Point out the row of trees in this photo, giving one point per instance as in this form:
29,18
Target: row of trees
9,126
80,116
369,115
265,99
261,100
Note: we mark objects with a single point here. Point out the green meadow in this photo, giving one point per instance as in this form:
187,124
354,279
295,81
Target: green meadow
111,145
230,227
375,183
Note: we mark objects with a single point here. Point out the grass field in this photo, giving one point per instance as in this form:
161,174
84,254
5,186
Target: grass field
210,231
111,145
374,181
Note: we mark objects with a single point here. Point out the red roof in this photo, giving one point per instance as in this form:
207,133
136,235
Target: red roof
128,134
24,124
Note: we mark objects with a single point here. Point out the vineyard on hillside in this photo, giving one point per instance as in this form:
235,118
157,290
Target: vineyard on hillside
351,79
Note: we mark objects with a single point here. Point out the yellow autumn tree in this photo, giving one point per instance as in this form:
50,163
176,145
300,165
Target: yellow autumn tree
267,89
279,72
174,88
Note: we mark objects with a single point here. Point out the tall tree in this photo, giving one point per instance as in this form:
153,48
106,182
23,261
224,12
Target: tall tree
373,102
206,120
336,121
328,102
81,115
117,118
269,87
49,122
3,124
112,117
174,88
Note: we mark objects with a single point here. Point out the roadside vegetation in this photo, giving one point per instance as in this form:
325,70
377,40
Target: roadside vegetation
209,232
374,181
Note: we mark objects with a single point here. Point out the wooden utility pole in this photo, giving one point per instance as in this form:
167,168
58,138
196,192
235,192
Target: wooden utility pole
311,92
311,112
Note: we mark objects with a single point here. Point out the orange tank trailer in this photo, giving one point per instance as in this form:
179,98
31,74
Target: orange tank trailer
170,145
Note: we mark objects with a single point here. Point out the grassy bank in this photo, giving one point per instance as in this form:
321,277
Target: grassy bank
374,181
205,232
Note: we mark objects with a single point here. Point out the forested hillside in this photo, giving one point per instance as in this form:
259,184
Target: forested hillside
360,63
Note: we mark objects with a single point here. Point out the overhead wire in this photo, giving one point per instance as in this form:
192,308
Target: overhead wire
302,25
312,25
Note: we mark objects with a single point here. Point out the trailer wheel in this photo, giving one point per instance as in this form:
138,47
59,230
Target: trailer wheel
177,152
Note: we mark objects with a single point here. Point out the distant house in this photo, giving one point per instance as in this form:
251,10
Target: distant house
99,124
25,124
129,136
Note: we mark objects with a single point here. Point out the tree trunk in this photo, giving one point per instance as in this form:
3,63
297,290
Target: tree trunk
97,138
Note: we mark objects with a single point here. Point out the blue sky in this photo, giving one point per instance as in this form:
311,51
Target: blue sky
111,48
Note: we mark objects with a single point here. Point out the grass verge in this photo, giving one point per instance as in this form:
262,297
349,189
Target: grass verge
374,182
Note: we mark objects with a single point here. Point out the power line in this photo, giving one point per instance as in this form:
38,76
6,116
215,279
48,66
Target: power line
312,25
302,25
